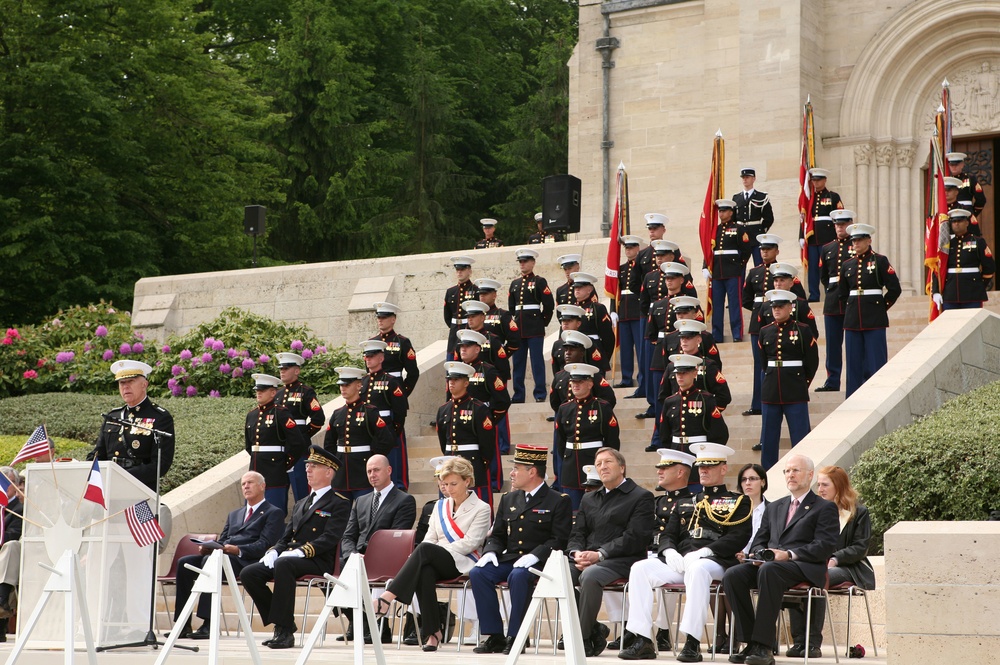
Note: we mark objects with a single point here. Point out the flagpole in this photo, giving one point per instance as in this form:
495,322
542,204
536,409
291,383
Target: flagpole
32,504
107,518
52,459
31,522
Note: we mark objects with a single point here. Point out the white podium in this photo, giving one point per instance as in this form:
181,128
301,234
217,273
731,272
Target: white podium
116,574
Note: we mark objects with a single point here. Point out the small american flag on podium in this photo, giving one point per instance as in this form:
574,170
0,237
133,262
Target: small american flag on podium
142,524
38,444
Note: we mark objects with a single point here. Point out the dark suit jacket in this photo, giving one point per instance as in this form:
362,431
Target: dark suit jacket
619,522
852,549
317,530
536,529
398,511
811,535
255,536
12,523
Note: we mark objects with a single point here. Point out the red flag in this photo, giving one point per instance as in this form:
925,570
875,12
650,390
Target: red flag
95,487
709,222
807,161
936,241
619,228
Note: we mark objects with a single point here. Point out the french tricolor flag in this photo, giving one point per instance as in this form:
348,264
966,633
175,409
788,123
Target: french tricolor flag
95,487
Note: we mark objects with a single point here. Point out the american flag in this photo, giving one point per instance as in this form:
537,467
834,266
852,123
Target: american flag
4,488
142,524
37,445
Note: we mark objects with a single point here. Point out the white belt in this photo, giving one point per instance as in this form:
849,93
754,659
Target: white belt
520,307
398,375
758,298
455,321
865,292
834,279
784,363
961,270
757,223
597,337
464,446
301,422
586,444
661,334
385,413
965,203
269,449
354,449
726,251
626,292
689,439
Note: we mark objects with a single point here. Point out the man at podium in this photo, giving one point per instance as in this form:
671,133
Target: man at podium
134,448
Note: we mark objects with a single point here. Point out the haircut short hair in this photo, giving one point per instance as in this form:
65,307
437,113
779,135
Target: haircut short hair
460,467
615,453
12,475
257,477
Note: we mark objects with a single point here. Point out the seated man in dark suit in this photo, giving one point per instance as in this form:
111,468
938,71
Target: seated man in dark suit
395,510
308,547
249,531
10,551
801,532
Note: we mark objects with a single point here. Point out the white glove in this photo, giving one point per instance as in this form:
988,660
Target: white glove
269,558
706,273
298,554
674,560
488,558
938,300
614,319
802,243
691,557
526,561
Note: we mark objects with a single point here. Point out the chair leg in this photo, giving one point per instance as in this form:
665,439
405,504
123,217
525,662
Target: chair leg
833,635
555,638
871,626
809,607
166,605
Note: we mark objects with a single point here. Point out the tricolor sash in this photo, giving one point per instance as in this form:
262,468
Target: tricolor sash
449,527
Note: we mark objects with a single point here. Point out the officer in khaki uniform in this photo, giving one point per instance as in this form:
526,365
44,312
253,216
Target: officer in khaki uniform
273,440
308,547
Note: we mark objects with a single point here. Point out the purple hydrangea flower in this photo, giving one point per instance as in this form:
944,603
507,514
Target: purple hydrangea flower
297,345
237,373
225,368
320,349
264,358
195,362
307,354
191,391
218,345
176,370
72,378
86,347
214,393
138,347
245,353
65,356
165,349
125,349
101,331
249,364
176,391
232,353
206,357
172,383
111,310
139,335
159,362
209,341
108,354
186,354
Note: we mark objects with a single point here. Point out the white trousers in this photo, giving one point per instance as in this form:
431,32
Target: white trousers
648,575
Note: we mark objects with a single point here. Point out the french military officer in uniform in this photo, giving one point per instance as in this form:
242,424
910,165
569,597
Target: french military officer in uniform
832,258
134,448
273,440
700,543
868,287
970,266
822,202
308,547
570,263
531,521
630,318
464,290
302,402
465,427
355,433
498,321
400,358
488,240
791,358
690,415
971,192
730,250
531,302
583,425
753,211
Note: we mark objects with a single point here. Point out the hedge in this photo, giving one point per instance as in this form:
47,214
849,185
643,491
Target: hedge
944,467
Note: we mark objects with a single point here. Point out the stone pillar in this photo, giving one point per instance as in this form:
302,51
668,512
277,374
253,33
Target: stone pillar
862,158
883,199
910,226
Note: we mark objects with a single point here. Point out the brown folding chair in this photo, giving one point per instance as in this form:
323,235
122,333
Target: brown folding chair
385,554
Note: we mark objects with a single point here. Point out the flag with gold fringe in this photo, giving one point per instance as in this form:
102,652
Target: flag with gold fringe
709,222
807,161
937,236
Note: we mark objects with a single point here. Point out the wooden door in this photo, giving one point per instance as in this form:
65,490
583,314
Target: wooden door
981,162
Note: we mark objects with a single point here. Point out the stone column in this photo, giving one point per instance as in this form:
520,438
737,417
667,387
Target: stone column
910,226
862,158
883,199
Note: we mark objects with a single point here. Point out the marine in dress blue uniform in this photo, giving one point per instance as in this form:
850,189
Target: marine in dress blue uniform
970,266
399,360
690,415
657,329
531,302
630,317
489,240
498,321
753,211
970,193
464,290
301,400
730,250
465,427
831,260
570,263
822,202
596,322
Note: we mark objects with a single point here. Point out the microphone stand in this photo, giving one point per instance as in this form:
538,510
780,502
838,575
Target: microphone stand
150,639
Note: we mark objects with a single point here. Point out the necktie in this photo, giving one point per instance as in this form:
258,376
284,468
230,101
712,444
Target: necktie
249,515
375,501
312,499
527,499
791,511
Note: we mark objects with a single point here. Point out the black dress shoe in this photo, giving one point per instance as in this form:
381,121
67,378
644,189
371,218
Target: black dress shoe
663,640
622,384
651,449
202,633
492,644
740,656
691,653
796,651
641,648
285,640
722,644
828,389
186,632
760,655
561,645
752,412
509,646
645,414
757,447
599,639
551,419
348,636
539,399
635,395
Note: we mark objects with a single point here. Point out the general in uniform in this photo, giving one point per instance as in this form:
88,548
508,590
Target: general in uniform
753,211
833,255
970,266
702,538
273,440
791,358
730,251
531,302
304,406
489,239
465,427
355,433
134,447
821,204
464,290
308,547
868,287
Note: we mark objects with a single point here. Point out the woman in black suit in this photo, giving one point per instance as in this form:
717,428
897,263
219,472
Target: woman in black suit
849,562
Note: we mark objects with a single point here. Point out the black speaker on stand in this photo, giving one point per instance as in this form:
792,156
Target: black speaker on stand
561,203
253,225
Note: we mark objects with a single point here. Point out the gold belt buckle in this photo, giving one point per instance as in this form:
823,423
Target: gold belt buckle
696,533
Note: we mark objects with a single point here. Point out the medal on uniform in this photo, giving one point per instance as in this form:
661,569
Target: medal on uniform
592,416
531,285
793,335
465,416
871,267
135,445
269,419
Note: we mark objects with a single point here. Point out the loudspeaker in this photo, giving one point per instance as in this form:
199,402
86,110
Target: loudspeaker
561,203
253,220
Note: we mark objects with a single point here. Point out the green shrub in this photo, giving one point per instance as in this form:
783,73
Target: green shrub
208,430
944,467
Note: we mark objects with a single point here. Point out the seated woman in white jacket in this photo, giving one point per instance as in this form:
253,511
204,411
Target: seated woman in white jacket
457,531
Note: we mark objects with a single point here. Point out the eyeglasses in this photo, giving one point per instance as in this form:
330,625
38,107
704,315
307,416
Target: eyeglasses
750,479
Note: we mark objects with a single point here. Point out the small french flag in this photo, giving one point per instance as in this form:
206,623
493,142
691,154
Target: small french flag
95,487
